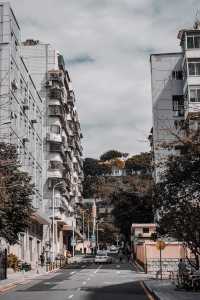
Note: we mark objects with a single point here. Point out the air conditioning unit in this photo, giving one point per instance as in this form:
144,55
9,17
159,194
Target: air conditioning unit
49,83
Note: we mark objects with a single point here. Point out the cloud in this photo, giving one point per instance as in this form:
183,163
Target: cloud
107,45
81,59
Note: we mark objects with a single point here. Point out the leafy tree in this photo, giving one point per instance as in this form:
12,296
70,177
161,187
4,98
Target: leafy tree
15,195
130,207
177,202
140,162
111,154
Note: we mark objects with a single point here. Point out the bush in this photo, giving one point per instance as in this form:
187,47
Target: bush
12,261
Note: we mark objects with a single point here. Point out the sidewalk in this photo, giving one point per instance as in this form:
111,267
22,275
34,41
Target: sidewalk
21,278
165,290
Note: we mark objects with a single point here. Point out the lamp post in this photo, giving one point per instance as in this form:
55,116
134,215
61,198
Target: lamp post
53,221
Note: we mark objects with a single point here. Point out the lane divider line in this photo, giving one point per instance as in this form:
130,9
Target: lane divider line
71,296
97,270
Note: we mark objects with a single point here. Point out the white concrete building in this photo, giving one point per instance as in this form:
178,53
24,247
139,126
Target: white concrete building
175,96
39,116
21,125
61,139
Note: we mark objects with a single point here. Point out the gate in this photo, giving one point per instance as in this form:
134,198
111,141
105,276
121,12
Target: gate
3,264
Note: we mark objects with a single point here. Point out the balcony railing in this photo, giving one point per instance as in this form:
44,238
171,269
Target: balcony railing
54,137
56,93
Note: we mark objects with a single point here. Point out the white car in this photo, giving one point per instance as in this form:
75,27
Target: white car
102,258
114,250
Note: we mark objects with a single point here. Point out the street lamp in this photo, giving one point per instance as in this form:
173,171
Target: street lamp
53,220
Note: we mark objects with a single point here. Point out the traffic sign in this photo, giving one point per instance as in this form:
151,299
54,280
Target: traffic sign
160,245
93,238
73,243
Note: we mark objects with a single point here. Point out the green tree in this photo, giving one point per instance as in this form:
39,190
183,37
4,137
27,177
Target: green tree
140,162
15,195
176,200
130,207
111,154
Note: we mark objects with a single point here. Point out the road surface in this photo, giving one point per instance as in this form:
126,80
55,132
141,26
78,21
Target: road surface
118,281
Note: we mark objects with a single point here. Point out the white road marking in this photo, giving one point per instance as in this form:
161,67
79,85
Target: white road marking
72,273
88,279
84,282
71,296
98,269
118,272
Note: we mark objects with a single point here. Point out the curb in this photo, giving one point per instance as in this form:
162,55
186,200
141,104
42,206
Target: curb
14,284
155,296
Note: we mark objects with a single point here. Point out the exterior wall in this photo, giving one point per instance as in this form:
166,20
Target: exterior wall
164,86
21,111
148,256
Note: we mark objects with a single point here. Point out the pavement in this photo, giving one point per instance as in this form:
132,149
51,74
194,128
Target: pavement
165,290
119,281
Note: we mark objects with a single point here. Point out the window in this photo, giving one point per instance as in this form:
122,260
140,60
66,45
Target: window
190,43
178,105
194,67
177,75
195,94
193,41
55,129
145,229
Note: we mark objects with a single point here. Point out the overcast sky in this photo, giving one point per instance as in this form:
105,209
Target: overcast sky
106,45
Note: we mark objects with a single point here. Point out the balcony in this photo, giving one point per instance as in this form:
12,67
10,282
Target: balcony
192,110
54,137
57,147
55,75
56,93
55,110
55,169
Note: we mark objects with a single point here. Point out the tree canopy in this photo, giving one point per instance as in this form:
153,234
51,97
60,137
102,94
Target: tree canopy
140,162
111,154
15,195
130,207
176,201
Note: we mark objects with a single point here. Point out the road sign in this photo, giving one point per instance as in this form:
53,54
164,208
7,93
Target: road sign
160,245
73,243
93,238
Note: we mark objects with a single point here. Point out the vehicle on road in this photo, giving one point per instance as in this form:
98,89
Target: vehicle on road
88,258
102,258
113,250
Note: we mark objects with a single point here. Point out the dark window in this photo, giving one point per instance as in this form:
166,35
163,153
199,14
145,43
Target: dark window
190,42
195,95
196,41
177,75
178,105
145,230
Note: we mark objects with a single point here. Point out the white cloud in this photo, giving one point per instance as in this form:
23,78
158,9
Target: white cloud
107,45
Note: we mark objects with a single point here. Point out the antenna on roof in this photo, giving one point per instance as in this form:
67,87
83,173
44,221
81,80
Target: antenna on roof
197,19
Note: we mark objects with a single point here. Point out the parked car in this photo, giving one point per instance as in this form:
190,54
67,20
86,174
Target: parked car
102,258
88,258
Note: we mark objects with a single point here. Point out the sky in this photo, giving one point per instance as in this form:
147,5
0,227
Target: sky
106,45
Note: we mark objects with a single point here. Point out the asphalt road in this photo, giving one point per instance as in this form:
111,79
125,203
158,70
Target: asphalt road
118,281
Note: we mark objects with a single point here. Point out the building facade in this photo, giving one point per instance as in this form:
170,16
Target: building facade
39,116
21,125
175,97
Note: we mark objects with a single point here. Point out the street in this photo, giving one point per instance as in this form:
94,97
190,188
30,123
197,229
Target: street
78,282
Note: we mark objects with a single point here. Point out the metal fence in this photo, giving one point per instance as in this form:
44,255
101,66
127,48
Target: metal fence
3,264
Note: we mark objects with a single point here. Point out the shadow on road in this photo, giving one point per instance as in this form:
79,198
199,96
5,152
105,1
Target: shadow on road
130,290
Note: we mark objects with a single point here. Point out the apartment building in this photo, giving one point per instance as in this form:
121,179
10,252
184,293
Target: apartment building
62,165
175,96
39,116
21,125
